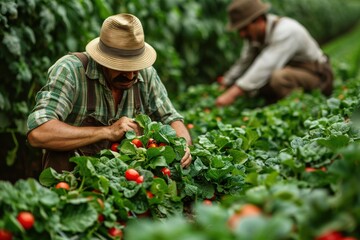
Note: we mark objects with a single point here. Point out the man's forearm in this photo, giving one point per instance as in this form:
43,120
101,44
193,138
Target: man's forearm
56,135
181,131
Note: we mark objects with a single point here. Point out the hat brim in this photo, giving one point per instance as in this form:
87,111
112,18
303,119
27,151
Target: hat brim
233,27
128,63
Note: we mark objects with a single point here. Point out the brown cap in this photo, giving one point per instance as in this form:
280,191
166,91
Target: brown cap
243,12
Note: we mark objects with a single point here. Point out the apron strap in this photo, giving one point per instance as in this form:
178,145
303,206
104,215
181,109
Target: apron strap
91,97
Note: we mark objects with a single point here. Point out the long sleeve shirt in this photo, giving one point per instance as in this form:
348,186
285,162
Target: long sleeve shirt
288,41
65,94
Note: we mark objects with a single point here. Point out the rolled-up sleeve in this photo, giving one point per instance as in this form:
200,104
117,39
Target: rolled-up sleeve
160,106
55,99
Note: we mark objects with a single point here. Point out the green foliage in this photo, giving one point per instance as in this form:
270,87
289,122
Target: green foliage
190,38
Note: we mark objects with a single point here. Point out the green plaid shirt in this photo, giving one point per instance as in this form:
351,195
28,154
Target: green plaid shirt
64,96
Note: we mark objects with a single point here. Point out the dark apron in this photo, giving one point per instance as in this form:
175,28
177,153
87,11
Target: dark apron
59,160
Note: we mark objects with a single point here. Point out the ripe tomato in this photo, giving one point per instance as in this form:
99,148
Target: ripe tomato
190,126
152,145
162,144
131,174
115,232
101,218
5,235
137,142
140,179
166,171
246,210
114,147
331,235
26,219
149,194
207,202
311,169
63,185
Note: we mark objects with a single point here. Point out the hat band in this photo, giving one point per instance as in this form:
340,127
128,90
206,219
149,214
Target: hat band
118,52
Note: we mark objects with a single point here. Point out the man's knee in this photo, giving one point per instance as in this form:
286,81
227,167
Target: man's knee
281,82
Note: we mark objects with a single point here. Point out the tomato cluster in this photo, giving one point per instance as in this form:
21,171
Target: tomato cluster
133,175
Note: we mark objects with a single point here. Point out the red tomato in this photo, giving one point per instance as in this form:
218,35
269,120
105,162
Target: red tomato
131,174
166,171
114,147
311,169
140,179
63,185
115,232
331,235
190,126
137,142
101,218
207,202
152,145
26,219
5,235
245,211
162,144
149,194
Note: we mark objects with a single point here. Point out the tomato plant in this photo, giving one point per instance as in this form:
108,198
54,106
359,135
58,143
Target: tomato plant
114,147
115,232
101,218
63,185
149,194
137,142
207,202
166,171
331,235
140,179
26,219
245,211
5,235
131,174
152,145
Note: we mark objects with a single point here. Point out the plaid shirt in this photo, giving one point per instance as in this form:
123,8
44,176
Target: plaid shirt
64,96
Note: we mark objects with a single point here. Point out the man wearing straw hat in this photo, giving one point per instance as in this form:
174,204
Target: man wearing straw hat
278,56
90,99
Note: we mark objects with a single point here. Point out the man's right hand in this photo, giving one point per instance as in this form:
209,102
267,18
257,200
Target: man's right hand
121,126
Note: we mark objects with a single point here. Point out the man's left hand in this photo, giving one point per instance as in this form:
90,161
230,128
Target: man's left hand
187,158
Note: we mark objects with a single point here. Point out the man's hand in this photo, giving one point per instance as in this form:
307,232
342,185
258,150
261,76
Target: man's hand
229,96
121,126
187,158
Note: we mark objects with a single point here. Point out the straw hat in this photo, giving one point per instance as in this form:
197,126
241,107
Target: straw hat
243,12
121,45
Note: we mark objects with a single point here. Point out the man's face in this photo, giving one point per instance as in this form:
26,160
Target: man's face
122,80
254,31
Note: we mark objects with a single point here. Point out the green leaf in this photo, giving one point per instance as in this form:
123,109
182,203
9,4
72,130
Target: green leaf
334,142
77,218
49,177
